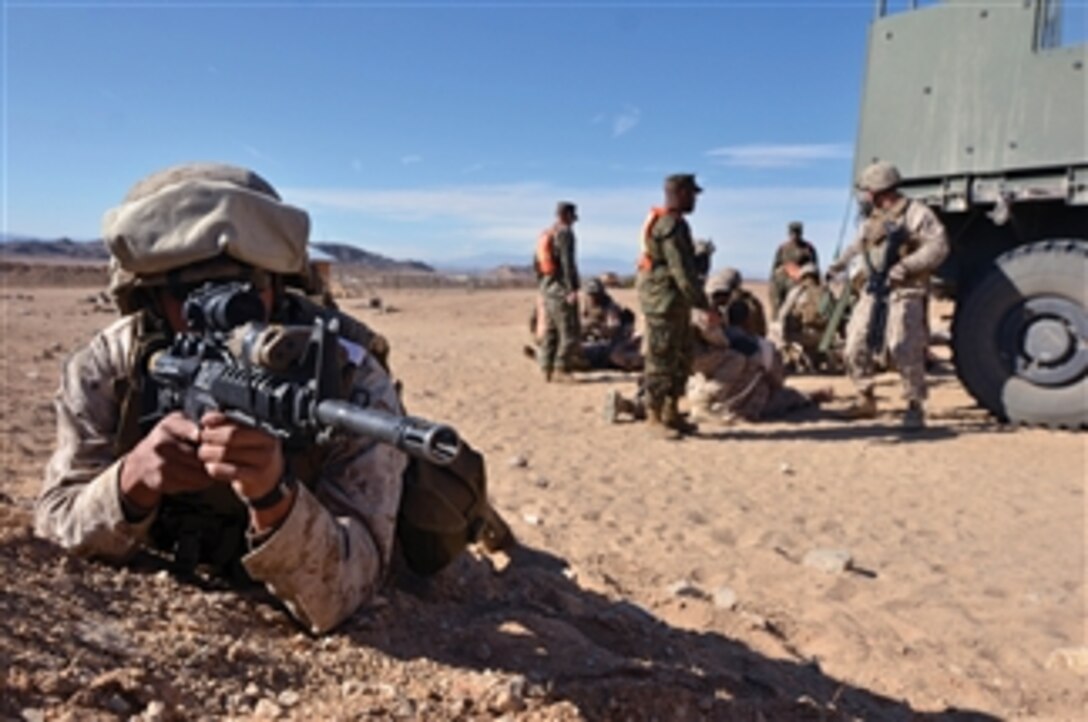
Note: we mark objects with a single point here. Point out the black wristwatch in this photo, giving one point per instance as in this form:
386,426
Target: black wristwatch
274,495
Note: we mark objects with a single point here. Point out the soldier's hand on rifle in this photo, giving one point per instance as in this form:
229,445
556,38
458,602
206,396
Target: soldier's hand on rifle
897,273
164,462
248,459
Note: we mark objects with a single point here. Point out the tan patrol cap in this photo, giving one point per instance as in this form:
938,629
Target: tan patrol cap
682,180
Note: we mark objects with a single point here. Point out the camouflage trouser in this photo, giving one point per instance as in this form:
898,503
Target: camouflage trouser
905,339
669,346
560,344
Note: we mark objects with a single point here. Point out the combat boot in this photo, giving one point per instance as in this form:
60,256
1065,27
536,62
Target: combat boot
655,423
915,417
616,405
863,408
563,376
671,417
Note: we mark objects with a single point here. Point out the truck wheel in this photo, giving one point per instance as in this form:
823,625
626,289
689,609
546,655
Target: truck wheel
1021,337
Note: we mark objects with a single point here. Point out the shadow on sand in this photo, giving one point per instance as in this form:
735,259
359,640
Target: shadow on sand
611,660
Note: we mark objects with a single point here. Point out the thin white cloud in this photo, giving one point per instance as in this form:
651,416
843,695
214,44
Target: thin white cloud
778,155
625,121
411,159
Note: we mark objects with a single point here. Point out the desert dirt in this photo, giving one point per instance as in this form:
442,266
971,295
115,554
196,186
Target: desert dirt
655,580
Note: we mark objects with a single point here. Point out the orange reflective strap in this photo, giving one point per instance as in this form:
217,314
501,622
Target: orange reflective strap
645,261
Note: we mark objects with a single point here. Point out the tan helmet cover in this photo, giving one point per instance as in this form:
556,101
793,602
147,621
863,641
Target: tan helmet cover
724,281
879,177
193,213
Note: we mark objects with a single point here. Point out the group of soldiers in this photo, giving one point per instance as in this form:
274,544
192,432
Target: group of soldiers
708,340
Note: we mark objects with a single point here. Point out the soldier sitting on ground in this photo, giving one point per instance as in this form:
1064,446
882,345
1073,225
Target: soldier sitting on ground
802,320
729,283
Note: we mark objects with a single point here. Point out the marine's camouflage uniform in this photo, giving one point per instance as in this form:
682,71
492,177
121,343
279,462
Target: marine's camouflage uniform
667,293
905,337
797,253
732,384
325,559
559,346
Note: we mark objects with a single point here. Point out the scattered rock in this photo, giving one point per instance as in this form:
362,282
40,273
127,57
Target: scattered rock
541,482
252,691
725,598
685,588
154,712
786,469
831,561
518,462
31,714
532,519
267,709
508,695
288,698
1074,659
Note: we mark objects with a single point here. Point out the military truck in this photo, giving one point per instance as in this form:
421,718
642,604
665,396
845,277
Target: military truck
985,113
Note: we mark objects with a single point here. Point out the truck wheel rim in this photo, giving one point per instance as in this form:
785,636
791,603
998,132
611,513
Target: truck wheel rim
1046,340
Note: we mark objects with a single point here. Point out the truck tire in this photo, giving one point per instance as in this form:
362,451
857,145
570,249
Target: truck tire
1020,339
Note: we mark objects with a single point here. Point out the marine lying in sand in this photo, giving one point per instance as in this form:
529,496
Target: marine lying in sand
314,522
607,333
736,376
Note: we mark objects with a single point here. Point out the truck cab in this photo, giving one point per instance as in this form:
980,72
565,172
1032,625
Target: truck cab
985,113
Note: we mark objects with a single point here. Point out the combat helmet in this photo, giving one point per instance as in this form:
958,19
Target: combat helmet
724,281
878,177
201,221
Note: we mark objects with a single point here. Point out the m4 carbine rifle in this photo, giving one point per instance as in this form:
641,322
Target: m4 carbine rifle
878,287
284,380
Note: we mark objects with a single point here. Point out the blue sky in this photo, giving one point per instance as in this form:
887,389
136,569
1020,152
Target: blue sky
445,131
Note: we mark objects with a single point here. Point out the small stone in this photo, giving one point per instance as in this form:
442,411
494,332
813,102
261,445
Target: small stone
725,598
267,709
161,577
685,588
351,688
288,698
33,714
532,519
786,469
831,561
155,711
508,695
518,462
541,482
1074,659
252,691
118,705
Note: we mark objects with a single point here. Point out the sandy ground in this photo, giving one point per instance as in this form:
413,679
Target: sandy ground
658,581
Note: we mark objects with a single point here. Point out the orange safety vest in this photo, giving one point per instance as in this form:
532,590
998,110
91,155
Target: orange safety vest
545,253
645,262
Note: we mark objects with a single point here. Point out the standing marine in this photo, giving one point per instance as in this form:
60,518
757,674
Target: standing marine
669,288
794,253
920,246
557,272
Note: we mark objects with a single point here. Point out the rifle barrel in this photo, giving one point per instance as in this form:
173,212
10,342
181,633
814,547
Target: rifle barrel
436,443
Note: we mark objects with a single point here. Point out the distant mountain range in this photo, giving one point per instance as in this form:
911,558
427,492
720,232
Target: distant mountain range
65,249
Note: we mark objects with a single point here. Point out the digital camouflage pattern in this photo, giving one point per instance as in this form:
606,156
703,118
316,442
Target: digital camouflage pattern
790,253
324,561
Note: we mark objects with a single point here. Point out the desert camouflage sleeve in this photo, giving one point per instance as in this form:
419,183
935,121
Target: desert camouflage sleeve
79,506
924,226
333,549
855,248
